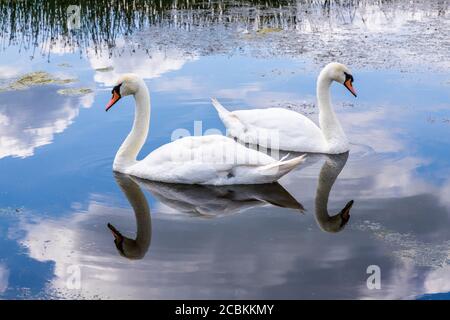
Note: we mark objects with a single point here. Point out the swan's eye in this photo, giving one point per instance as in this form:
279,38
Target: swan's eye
116,89
348,77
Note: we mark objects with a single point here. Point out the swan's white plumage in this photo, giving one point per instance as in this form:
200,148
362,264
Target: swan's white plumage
254,126
290,130
213,159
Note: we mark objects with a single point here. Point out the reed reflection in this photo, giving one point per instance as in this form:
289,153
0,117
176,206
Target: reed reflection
43,24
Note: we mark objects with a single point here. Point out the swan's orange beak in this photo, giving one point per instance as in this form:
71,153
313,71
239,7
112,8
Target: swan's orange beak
114,99
348,84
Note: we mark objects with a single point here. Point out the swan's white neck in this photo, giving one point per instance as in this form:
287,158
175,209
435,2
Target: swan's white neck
127,154
329,123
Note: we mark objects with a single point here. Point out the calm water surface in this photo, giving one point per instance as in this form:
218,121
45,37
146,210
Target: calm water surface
58,191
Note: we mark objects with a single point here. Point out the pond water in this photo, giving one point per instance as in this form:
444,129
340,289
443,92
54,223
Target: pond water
58,192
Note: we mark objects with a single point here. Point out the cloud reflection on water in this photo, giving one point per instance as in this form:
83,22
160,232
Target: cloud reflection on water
266,252
4,276
268,266
31,122
27,121
146,65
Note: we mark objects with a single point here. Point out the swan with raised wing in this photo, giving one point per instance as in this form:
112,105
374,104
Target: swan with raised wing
295,132
211,159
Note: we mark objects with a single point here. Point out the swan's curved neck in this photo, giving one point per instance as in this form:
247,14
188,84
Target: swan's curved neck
329,123
127,154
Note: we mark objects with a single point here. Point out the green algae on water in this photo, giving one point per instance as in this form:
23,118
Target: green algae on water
105,69
74,91
36,78
268,30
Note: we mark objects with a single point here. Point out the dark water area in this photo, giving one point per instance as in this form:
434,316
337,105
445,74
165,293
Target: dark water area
58,192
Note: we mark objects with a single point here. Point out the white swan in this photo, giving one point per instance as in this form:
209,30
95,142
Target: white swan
294,131
212,159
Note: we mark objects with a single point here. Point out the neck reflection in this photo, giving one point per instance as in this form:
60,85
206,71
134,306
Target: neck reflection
133,248
327,176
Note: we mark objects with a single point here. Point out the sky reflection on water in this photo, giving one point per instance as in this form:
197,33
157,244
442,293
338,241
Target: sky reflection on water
58,191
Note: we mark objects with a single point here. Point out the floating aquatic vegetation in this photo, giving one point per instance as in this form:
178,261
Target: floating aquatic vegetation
37,78
65,65
11,212
74,91
268,30
105,69
406,247
34,79
304,107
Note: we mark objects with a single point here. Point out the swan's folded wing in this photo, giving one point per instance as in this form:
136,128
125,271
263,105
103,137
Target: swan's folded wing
199,160
280,128
211,149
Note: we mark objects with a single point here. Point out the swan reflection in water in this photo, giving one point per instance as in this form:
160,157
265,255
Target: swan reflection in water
211,201
215,201
328,174
137,248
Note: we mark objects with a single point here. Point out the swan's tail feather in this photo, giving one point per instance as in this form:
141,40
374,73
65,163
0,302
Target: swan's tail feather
234,125
219,107
282,167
